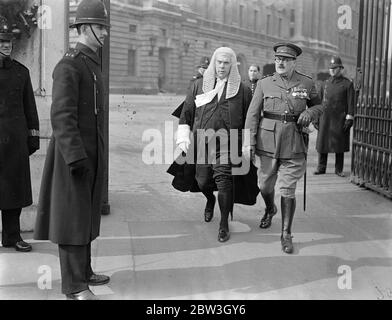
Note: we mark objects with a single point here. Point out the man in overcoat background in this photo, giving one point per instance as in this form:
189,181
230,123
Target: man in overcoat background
19,138
334,124
69,208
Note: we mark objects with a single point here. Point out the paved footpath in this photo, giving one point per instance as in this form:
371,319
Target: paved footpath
155,244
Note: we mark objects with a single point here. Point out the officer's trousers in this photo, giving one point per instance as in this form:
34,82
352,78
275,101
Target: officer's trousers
323,158
75,265
10,220
288,170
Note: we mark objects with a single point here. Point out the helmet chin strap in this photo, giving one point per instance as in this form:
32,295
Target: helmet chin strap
4,55
96,38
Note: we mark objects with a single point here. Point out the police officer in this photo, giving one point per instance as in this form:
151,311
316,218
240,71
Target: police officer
283,105
253,77
71,191
201,68
19,138
335,123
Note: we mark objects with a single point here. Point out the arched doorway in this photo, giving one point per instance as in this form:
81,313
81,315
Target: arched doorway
164,67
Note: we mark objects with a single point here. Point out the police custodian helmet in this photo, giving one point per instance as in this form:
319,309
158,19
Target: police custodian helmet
5,31
91,12
335,62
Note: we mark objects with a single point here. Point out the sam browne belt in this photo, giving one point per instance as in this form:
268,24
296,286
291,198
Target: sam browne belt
281,117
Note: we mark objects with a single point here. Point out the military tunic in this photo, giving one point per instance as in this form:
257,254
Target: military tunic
274,138
18,115
339,100
279,143
69,205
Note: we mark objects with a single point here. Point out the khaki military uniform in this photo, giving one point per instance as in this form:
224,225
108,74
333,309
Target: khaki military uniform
272,122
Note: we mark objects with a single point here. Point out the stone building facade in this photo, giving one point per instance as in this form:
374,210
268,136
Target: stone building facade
156,44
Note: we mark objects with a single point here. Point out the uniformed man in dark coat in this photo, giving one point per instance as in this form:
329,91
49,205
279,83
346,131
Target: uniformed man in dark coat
253,77
335,123
201,68
71,191
282,107
19,138
217,104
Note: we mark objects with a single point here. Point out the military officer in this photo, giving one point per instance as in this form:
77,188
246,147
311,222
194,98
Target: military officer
19,138
71,191
283,105
335,123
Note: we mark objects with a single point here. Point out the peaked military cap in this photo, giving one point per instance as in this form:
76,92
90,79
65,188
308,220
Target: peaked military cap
204,62
335,62
287,49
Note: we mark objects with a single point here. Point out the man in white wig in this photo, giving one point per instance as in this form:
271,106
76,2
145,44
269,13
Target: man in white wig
216,103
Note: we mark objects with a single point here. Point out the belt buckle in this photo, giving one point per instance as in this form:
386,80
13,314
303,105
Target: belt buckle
284,118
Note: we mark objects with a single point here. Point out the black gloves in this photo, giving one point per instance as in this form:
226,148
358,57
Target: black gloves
347,125
80,167
33,144
304,119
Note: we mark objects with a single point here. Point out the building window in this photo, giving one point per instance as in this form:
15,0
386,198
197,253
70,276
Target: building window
131,62
133,28
164,32
206,44
225,12
292,32
268,24
255,14
292,15
280,27
241,16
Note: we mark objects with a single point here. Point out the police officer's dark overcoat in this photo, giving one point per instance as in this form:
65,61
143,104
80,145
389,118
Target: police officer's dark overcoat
69,206
18,114
339,101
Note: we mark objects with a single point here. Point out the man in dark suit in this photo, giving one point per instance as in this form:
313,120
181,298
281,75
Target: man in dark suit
253,77
19,138
283,105
71,191
335,123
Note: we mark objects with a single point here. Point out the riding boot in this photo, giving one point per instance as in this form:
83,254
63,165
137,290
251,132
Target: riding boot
209,209
270,210
225,200
288,209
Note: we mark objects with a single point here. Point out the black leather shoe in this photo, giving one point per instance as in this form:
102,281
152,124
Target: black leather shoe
318,171
98,280
209,210
340,174
287,243
83,295
266,220
223,235
19,246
